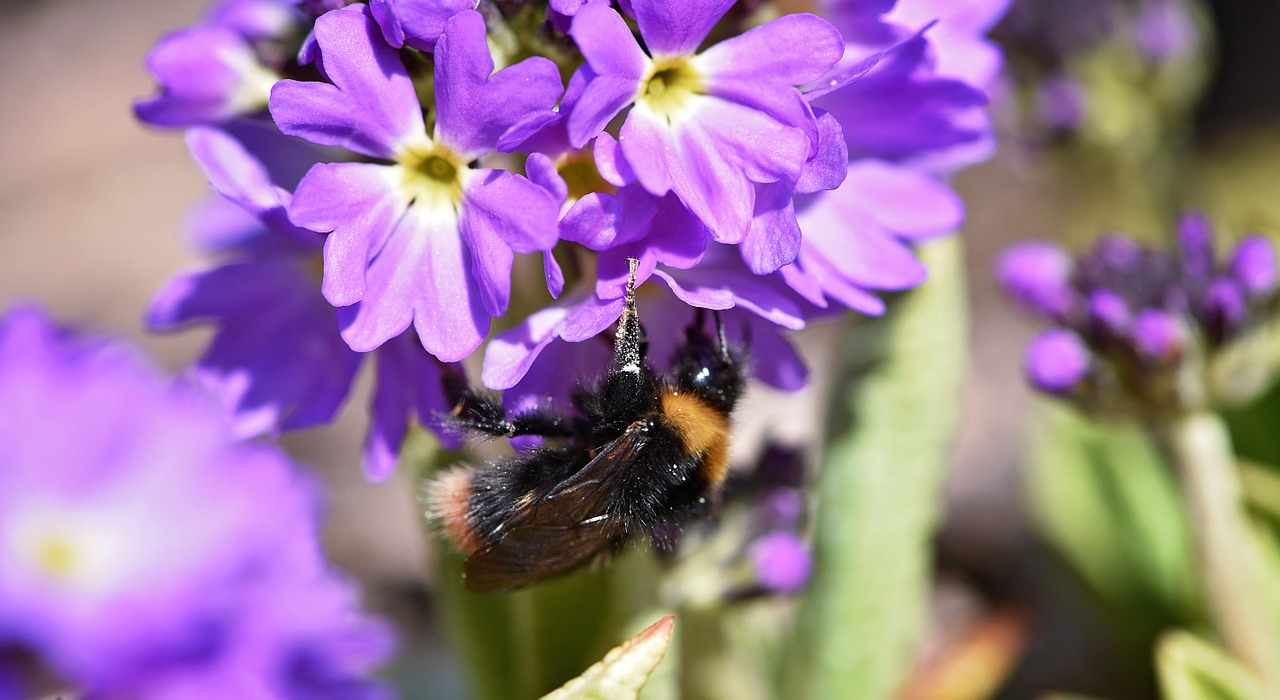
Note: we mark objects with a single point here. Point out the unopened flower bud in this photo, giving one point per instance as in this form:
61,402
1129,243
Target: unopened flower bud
1038,274
1057,361
1253,262
1157,335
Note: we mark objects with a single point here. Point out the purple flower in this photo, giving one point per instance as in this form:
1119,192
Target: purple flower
207,75
707,126
427,239
143,552
277,360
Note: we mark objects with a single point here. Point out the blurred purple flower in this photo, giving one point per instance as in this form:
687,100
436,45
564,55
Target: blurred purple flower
428,240
144,553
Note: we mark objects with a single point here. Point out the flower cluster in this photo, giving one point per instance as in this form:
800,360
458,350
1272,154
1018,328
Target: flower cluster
413,153
144,552
1146,331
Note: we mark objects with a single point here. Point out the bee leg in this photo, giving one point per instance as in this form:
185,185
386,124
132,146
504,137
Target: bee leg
478,412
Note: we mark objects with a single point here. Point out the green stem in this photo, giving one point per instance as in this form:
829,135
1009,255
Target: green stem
1230,566
879,491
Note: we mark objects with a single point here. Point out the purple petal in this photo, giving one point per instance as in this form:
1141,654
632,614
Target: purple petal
1108,312
696,292
676,238
610,163
774,237
371,107
911,204
616,67
1195,242
423,275
644,143
774,359
792,49
555,276
474,109
359,203
509,356
511,209
829,164
671,27
277,361
542,172
255,19
417,23
241,178
215,225
600,221
840,232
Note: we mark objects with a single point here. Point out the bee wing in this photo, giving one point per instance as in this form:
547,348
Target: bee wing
558,532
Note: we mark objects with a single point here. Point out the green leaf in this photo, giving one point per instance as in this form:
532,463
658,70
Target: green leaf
624,670
1107,500
879,490
1193,669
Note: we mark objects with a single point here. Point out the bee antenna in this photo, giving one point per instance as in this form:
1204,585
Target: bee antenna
627,347
631,284
724,343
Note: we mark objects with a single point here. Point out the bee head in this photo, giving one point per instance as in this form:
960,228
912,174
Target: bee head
705,365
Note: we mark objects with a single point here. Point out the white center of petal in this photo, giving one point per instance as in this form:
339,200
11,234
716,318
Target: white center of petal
670,88
434,176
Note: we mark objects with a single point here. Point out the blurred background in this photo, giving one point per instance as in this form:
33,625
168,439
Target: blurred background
1105,123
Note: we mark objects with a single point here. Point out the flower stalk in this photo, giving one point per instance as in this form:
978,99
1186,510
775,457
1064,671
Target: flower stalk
1231,568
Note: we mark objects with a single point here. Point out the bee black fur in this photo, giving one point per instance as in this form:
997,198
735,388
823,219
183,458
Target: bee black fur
639,453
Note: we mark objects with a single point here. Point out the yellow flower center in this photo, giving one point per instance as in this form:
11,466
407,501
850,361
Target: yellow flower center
57,556
671,84
433,176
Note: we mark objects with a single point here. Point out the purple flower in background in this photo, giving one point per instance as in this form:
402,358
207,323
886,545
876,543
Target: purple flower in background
707,126
428,239
144,553
223,67
1138,327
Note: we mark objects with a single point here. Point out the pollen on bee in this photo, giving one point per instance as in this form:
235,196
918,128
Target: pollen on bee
447,498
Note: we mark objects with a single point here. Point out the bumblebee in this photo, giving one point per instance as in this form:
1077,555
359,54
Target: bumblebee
638,453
